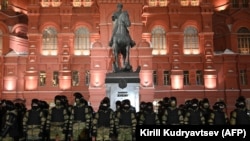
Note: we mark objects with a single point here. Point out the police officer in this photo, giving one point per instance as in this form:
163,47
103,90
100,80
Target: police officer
160,111
194,115
149,117
125,122
103,122
33,122
240,115
57,120
9,128
79,125
205,108
44,106
172,115
141,111
218,116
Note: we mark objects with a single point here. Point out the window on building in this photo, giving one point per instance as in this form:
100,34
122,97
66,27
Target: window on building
245,3
166,77
152,2
155,78
42,78
191,41
75,78
199,77
87,78
244,40
158,40
49,46
184,2
195,2
55,3
82,41
77,3
163,2
243,77
235,3
4,4
186,77
55,80
87,3
1,42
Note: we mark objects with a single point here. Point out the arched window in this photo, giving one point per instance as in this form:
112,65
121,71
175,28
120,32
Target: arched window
244,40
49,46
191,41
82,41
1,42
158,41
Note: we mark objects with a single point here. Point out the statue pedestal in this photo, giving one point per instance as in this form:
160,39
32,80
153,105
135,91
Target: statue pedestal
123,85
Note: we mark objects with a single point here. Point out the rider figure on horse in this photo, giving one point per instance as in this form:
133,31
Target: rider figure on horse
114,18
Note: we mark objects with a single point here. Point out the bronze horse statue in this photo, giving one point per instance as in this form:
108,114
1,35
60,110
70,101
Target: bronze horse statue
121,43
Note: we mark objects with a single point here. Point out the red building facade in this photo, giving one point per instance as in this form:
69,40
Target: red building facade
186,48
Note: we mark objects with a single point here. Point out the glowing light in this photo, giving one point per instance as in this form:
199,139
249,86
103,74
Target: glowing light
177,81
86,52
155,52
65,82
49,52
77,52
163,52
10,83
191,51
82,52
221,4
31,82
210,81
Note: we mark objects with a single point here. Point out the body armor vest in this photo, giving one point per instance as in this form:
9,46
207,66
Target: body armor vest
195,118
57,115
149,118
104,118
34,118
125,118
173,116
219,118
242,117
79,114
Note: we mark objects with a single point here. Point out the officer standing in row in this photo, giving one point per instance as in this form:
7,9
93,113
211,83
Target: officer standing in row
148,116
240,115
194,115
172,114
218,116
125,122
9,128
33,122
103,122
79,123
57,120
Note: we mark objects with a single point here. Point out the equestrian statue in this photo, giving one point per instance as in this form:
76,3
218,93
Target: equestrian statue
121,41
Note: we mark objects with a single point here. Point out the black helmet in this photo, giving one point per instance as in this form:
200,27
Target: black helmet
78,95
9,105
149,107
241,102
106,101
